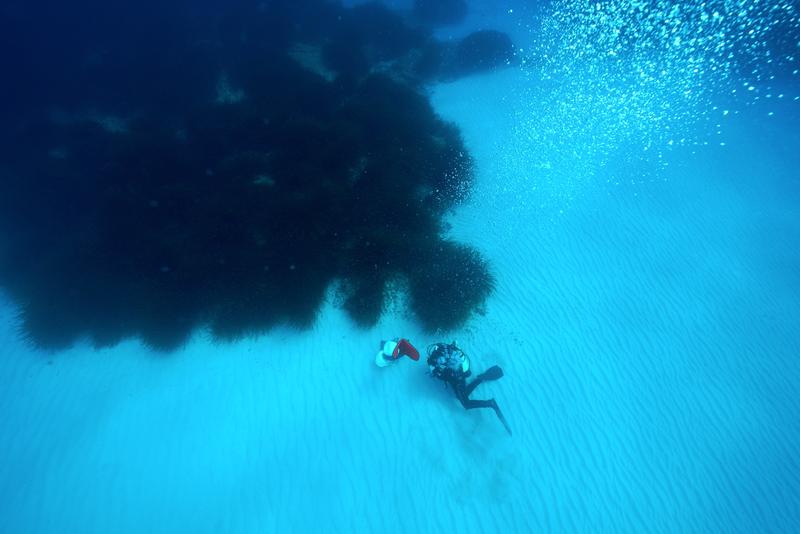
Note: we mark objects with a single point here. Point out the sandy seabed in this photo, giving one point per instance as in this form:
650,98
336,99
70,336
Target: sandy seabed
649,336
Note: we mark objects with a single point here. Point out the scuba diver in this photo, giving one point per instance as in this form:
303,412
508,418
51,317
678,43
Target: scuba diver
448,363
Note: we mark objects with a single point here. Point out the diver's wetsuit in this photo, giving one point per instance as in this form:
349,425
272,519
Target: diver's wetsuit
445,362
464,390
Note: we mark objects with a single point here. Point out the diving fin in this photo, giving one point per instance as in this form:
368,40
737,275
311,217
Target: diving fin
502,418
493,373
493,405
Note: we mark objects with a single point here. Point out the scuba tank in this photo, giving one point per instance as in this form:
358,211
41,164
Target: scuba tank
448,362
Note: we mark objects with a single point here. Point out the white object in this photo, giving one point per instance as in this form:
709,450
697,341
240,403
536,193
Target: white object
385,356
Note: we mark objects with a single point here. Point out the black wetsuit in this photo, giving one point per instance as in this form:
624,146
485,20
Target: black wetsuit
464,390
457,379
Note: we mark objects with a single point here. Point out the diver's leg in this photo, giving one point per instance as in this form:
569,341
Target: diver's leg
469,404
492,373
469,388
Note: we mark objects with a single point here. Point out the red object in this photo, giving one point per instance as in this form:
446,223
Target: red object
404,348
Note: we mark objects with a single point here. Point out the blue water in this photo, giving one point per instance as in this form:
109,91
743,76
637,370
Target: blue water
646,246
